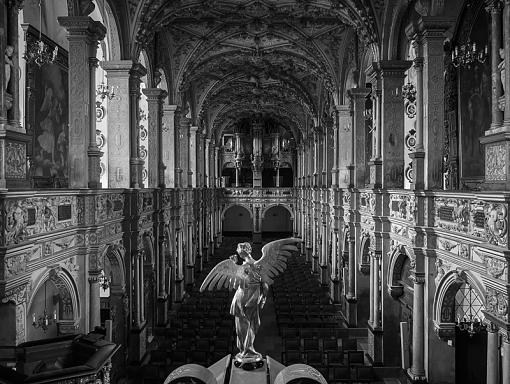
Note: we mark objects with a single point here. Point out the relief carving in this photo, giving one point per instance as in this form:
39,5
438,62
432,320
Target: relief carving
15,160
496,223
497,303
495,162
15,265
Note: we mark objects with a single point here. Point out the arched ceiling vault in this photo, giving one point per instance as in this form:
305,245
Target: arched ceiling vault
233,60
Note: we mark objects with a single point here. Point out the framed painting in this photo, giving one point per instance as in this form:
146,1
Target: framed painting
47,115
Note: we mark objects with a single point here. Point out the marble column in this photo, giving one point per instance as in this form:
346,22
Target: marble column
170,145
316,157
162,299
493,355
358,98
94,301
345,137
193,159
324,151
117,73
136,73
417,370
352,294
83,35
156,166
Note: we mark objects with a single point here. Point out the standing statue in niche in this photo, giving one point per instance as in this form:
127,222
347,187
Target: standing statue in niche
251,279
9,64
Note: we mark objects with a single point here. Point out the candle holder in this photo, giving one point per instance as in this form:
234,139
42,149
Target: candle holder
467,54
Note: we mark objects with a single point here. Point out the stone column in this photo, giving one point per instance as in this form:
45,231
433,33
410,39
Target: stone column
217,178
352,294
418,156
377,292
83,35
118,114
492,354
184,143
494,8
505,346
391,122
136,72
193,146
156,166
432,30
506,39
496,140
207,164
138,299
417,370
358,98
162,300
375,163
371,298
345,137
141,290
94,308
170,145
325,157
336,147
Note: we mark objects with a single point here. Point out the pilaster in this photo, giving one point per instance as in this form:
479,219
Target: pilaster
83,35
156,166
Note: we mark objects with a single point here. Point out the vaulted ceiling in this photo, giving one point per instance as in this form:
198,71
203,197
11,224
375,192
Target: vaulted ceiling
273,59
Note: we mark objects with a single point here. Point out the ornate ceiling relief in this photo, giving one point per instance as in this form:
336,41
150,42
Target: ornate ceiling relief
258,59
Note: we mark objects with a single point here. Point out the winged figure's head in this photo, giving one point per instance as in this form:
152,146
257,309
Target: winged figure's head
243,249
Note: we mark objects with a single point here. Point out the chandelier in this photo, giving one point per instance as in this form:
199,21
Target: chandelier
472,326
104,91
104,281
467,54
44,321
39,52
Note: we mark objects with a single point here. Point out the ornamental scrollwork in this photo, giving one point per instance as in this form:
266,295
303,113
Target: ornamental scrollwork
497,303
496,223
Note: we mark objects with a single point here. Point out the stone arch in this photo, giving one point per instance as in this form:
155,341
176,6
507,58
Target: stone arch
227,207
65,285
263,215
444,299
149,256
115,254
364,251
397,259
68,314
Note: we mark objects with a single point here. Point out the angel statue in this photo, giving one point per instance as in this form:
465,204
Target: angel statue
252,279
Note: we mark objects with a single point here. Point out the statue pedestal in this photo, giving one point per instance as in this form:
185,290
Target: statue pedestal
264,375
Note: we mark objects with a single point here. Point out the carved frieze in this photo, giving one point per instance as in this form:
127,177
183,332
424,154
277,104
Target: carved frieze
15,265
497,303
403,207
367,203
37,215
496,266
496,223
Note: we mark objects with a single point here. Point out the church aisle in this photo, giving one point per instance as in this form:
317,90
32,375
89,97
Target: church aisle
268,341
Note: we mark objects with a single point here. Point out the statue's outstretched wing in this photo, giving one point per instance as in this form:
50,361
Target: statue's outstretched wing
225,274
274,257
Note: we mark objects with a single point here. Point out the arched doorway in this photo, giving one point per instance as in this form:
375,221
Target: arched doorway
237,221
459,303
401,287
53,309
276,221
